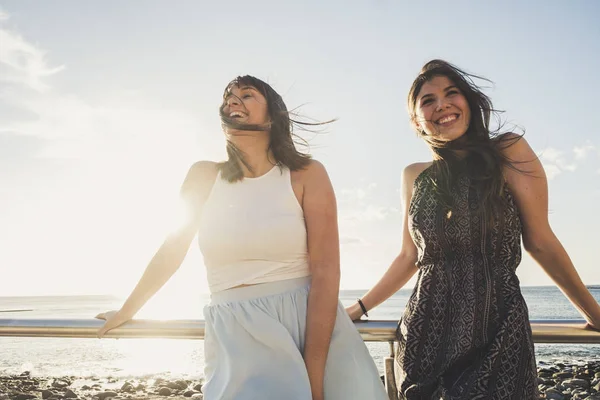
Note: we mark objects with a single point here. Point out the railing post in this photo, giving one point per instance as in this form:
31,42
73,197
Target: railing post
388,374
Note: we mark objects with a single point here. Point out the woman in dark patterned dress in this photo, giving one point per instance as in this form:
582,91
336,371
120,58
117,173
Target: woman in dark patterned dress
465,333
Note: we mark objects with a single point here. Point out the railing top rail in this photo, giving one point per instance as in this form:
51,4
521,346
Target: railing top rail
544,331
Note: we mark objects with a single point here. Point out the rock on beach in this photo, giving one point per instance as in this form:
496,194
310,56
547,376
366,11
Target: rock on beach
556,381
26,387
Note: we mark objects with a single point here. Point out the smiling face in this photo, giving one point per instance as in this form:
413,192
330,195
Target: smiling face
245,105
441,110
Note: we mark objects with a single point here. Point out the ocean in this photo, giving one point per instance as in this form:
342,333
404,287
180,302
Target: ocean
172,358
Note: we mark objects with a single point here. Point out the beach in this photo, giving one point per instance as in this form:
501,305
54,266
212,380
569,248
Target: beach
558,381
26,387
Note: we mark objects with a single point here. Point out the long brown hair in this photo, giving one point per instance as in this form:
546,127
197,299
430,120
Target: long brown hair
485,160
283,141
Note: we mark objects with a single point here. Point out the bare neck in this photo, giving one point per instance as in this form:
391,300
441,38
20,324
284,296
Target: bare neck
256,153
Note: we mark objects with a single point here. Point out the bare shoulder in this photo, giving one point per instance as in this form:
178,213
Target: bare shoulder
315,170
515,147
201,175
409,175
412,171
522,162
203,168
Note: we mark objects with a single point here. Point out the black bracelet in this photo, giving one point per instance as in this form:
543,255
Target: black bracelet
364,309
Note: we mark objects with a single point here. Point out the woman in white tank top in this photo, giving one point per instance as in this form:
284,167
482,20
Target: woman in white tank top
267,226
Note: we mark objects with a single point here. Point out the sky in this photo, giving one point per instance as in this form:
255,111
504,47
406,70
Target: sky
105,105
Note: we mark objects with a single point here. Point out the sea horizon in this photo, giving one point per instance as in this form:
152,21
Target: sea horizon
123,297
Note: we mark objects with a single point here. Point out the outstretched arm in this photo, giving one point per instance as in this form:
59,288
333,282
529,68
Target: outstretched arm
530,190
171,253
404,266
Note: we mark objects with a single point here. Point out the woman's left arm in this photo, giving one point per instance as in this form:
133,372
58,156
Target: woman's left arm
529,187
320,214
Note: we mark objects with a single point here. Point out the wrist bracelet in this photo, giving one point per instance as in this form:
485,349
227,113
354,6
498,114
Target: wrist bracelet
362,306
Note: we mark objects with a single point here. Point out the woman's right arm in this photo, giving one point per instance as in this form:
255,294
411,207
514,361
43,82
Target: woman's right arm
404,266
171,253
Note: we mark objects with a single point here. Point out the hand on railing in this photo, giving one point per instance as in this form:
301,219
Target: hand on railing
354,311
113,319
591,327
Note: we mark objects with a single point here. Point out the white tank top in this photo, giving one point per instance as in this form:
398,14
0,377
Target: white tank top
253,231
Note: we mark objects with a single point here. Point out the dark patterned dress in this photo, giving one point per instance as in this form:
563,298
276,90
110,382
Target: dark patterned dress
465,333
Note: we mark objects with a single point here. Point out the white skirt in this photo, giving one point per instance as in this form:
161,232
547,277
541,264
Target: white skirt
254,341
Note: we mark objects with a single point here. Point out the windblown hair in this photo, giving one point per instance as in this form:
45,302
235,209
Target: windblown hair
282,139
485,160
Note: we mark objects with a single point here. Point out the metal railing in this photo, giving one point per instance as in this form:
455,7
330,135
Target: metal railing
544,331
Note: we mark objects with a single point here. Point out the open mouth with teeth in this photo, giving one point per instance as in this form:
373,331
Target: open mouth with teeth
447,120
237,115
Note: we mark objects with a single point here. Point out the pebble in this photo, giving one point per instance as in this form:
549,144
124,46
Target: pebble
558,381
